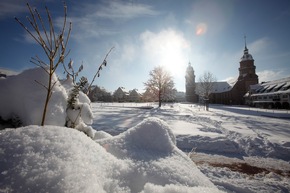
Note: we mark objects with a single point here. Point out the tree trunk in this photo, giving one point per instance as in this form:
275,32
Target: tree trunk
49,90
206,106
159,98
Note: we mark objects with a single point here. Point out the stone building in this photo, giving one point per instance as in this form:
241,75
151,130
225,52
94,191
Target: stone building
270,94
231,93
190,95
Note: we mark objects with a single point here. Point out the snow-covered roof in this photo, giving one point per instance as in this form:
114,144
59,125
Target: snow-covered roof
123,90
278,81
279,86
219,87
246,55
255,87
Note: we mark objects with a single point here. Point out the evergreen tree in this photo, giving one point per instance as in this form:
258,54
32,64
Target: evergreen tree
74,94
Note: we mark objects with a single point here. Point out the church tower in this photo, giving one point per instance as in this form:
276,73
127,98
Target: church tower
247,72
190,95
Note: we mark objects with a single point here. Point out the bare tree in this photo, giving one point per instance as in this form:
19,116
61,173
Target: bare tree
160,84
206,85
54,46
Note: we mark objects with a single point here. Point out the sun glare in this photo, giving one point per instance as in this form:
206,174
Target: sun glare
171,58
201,29
167,48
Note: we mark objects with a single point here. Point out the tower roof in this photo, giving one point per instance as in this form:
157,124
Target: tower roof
189,67
246,55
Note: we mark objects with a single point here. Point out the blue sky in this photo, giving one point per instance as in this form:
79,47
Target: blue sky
147,33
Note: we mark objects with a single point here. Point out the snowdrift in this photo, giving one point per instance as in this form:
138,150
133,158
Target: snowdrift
58,159
22,99
23,96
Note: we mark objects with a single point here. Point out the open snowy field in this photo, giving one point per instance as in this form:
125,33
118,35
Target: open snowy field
53,158
137,147
239,149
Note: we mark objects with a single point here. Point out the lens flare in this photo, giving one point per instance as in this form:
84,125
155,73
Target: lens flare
201,29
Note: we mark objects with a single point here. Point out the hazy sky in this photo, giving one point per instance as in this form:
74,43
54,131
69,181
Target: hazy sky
147,33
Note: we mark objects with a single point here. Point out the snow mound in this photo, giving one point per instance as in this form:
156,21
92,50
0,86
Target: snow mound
101,135
59,159
52,159
22,99
149,188
154,160
23,96
152,135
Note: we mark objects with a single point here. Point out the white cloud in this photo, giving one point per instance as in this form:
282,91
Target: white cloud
230,79
259,46
268,75
10,8
92,20
121,10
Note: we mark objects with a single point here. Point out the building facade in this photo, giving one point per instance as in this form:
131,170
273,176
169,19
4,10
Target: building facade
271,94
230,93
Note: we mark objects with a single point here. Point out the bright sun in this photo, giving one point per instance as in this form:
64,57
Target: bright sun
167,48
173,58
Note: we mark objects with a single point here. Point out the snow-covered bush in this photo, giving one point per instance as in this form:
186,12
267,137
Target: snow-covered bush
78,109
23,97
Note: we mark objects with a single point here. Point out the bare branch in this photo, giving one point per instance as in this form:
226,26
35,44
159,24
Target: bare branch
51,29
44,28
41,84
70,74
53,46
27,30
104,63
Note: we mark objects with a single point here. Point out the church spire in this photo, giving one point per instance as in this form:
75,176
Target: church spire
246,55
246,51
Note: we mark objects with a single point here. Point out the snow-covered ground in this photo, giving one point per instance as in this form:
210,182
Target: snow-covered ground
240,149
54,158
136,147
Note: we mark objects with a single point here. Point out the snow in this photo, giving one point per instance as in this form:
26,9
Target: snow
53,158
224,135
59,159
124,147
6,72
23,96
